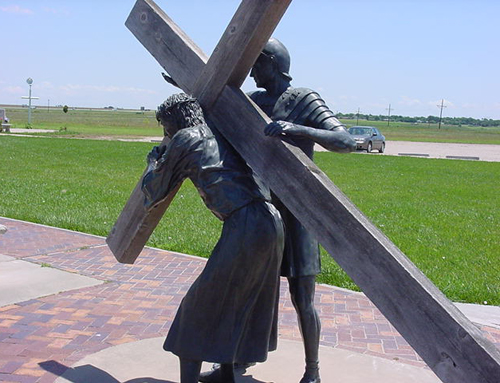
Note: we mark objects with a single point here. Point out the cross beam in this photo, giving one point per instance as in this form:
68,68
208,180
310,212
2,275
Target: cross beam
450,344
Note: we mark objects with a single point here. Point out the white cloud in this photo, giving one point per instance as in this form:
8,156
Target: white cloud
437,103
407,101
14,90
16,9
347,97
480,110
45,85
55,11
470,105
72,88
376,105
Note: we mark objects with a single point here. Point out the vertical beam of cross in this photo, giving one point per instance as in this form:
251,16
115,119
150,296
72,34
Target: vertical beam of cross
246,35
196,75
453,347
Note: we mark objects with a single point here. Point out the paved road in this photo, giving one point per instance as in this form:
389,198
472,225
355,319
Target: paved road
481,152
443,150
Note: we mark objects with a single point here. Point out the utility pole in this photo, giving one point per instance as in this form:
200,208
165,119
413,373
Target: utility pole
48,105
357,118
29,81
441,113
389,114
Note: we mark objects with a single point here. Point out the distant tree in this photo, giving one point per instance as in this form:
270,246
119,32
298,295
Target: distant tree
433,119
65,108
457,121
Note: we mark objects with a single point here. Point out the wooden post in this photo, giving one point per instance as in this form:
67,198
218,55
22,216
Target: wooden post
450,344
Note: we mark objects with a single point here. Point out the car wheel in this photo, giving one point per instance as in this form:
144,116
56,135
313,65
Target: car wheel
382,148
369,148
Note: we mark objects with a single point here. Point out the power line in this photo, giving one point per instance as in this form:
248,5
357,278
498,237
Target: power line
389,114
441,113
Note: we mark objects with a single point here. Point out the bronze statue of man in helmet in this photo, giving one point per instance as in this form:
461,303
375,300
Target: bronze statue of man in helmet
302,118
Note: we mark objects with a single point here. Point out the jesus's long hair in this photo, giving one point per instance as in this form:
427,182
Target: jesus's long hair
182,109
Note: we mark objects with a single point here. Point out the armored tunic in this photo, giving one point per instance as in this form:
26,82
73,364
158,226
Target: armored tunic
300,106
228,312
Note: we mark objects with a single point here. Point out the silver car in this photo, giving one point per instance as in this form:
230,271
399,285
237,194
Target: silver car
368,138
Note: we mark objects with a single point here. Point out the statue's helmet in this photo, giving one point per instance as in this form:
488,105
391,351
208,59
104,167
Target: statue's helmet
275,48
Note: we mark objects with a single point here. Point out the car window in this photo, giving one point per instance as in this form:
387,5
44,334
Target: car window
359,131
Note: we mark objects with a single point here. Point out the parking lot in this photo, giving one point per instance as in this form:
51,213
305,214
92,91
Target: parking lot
490,153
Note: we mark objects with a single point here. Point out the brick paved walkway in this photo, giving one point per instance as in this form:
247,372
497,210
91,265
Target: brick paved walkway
139,301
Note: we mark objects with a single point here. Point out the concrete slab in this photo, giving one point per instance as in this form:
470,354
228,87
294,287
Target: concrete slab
23,130
21,281
145,361
443,150
481,314
6,258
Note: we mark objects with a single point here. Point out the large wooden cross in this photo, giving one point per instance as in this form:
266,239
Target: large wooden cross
450,344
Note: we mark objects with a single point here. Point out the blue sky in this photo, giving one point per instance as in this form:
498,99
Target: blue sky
357,54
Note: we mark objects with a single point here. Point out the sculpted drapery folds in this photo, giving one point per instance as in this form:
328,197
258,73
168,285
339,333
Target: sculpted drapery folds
227,315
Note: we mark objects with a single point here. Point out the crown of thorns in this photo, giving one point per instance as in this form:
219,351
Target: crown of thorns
176,101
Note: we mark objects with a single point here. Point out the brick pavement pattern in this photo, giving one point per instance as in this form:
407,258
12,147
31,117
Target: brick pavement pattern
41,338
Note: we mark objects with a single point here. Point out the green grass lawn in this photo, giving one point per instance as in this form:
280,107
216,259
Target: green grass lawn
86,123
125,123
443,214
